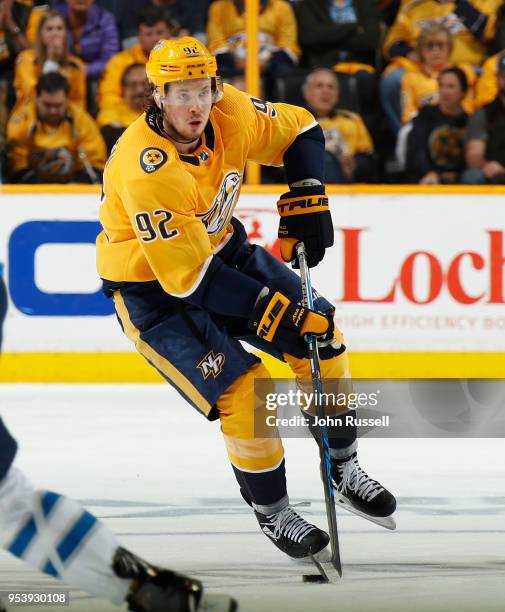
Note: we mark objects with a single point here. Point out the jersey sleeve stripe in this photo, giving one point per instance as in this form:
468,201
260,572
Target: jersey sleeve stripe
311,125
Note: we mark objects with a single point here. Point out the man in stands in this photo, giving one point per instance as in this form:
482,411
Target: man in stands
53,141
349,147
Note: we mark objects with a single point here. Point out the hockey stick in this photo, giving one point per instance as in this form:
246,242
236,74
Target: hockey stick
323,444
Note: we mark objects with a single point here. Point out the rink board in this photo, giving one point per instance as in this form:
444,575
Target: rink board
416,276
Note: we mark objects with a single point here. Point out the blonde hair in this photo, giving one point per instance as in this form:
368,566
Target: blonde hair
40,49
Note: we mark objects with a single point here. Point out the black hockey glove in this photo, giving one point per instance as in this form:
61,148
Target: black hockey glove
305,217
282,322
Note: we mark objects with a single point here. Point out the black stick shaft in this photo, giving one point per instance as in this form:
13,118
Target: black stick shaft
323,444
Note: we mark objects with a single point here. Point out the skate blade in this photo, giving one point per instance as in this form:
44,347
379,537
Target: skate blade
388,522
323,556
215,602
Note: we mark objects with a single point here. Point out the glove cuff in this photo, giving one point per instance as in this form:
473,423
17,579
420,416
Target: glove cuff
305,190
293,203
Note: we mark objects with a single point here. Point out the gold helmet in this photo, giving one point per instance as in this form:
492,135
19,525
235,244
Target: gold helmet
182,59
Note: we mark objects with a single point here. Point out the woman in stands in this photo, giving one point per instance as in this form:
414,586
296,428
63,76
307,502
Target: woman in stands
50,54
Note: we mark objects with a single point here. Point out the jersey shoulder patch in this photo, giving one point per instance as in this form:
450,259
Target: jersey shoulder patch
152,158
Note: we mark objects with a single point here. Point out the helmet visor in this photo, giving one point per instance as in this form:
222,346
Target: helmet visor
192,92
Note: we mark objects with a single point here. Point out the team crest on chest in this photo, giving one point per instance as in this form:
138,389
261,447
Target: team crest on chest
222,209
151,159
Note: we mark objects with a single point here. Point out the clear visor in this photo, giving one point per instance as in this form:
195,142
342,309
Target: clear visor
193,92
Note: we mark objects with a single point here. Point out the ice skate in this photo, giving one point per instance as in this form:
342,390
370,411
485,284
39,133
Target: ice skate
293,534
160,590
357,492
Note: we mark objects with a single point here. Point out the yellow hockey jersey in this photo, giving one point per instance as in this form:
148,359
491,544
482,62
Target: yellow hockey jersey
346,134
165,214
415,15
32,143
276,24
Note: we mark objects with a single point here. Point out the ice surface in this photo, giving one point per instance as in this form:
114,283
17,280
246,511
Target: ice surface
158,475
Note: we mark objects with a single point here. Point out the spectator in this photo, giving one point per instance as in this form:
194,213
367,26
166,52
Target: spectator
93,34
278,48
52,140
349,148
343,35
435,146
485,145
49,55
14,16
114,119
151,27
471,22
434,48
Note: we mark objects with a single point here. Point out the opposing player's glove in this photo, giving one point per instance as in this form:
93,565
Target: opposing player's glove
305,217
282,322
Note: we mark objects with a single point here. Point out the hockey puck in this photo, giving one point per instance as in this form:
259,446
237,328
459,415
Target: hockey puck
313,578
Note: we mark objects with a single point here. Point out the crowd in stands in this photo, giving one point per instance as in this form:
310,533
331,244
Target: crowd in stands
405,90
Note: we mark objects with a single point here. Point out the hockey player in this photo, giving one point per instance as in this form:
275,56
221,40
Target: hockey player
187,285
57,536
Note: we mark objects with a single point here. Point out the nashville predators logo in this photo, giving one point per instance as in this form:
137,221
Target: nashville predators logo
152,159
222,209
211,364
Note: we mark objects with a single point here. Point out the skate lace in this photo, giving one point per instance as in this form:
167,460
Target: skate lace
354,478
289,524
